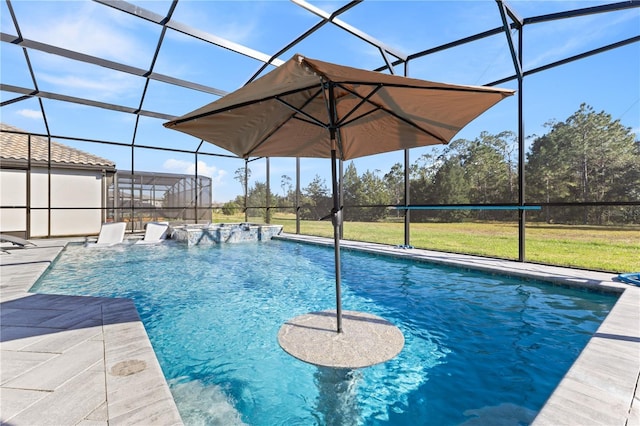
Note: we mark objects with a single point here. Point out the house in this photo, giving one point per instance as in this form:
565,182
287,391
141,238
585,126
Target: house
42,198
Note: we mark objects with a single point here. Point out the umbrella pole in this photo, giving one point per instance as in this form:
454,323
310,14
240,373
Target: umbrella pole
336,219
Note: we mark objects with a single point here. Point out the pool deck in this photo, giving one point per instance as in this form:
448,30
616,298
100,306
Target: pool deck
69,360
88,361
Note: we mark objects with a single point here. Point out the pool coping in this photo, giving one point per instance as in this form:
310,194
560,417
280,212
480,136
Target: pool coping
114,375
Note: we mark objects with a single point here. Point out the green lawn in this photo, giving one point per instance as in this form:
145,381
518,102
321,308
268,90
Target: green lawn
604,248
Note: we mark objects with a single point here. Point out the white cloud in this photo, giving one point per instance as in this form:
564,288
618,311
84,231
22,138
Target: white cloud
222,190
30,113
573,36
187,167
91,29
94,30
110,86
238,22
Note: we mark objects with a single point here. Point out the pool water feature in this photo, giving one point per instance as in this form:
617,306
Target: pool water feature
219,233
479,348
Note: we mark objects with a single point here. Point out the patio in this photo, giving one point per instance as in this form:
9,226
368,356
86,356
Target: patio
73,360
85,360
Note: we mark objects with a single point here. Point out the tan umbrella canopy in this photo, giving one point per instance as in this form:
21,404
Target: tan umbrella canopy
286,113
311,108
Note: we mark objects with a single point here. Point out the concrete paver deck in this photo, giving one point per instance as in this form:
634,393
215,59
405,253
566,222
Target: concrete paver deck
88,361
69,360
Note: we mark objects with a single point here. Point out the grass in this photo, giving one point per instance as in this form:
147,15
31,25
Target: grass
601,248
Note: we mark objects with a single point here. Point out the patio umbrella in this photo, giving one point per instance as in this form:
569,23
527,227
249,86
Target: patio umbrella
311,108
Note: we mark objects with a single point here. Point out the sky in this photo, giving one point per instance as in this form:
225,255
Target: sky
608,82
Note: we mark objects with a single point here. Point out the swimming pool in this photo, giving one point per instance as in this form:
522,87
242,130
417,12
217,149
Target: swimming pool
478,347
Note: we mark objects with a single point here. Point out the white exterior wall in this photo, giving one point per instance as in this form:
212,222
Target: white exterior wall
13,192
69,188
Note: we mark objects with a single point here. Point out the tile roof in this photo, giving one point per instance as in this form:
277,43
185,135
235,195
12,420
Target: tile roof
13,147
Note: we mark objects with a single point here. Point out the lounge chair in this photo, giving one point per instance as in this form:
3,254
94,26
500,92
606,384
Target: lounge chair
154,233
110,234
16,241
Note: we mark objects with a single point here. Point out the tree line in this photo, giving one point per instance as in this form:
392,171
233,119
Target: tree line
589,159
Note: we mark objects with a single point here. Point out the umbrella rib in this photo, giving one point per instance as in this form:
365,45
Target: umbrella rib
314,122
411,123
236,106
362,101
364,114
300,110
264,139
279,126
391,112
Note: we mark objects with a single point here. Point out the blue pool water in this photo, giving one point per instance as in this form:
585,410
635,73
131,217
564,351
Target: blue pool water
480,349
